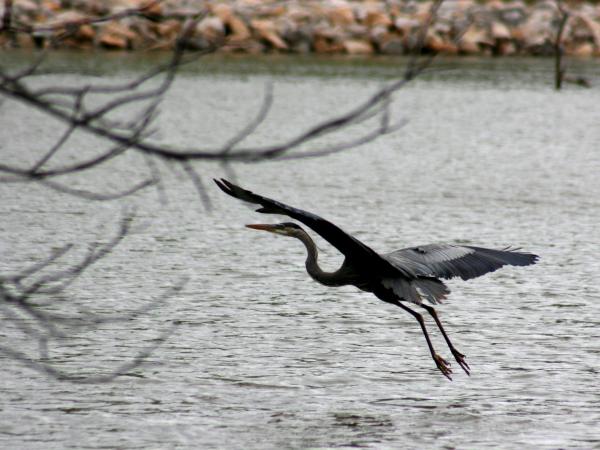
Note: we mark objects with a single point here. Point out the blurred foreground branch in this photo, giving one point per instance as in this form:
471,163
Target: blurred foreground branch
72,106
560,70
29,297
95,109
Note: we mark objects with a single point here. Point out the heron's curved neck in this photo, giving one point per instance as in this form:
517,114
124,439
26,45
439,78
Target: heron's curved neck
327,278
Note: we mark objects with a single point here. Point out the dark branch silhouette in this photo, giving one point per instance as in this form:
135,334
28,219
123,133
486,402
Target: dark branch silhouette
560,70
71,106
93,109
29,298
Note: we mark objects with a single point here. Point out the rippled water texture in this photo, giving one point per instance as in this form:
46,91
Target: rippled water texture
264,357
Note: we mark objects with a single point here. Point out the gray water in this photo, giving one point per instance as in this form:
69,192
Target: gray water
264,358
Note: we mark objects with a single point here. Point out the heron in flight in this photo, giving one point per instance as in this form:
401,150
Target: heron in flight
410,275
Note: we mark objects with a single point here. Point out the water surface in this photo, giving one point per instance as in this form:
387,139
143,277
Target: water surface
266,358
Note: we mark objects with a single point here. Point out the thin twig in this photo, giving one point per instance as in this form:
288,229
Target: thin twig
121,370
559,69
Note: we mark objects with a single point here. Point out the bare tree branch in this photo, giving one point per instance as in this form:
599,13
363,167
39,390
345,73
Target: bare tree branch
76,115
123,369
33,321
254,124
26,297
559,69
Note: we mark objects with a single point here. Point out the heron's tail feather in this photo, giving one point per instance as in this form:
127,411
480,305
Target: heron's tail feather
415,291
432,289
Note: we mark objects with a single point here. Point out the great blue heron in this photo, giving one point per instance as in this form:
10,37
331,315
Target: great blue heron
407,275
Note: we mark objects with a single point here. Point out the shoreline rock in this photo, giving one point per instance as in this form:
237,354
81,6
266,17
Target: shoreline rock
393,27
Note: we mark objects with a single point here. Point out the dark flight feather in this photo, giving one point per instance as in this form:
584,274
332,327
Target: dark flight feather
348,245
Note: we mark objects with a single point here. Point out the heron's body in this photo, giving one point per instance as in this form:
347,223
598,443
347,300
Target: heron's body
406,275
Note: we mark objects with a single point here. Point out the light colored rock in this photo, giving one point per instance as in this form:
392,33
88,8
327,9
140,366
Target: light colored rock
358,47
341,14
593,28
251,3
116,35
372,14
500,31
85,33
239,29
27,7
377,34
438,44
422,9
266,30
211,28
148,7
495,4
222,11
406,24
298,13
584,50
51,5
111,41
513,14
119,5
66,17
155,9
456,9
168,29
539,26
443,28
324,44
120,29
472,41
356,31
331,33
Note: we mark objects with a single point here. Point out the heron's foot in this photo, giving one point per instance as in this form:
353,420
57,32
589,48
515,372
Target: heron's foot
460,359
443,365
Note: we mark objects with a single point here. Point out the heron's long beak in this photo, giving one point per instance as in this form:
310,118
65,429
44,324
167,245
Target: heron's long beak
262,226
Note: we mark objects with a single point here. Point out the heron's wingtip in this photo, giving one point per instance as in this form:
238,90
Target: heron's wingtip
223,184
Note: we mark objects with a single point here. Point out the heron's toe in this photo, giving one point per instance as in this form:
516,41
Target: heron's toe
443,366
460,359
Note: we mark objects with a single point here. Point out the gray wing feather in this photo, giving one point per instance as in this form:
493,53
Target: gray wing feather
464,261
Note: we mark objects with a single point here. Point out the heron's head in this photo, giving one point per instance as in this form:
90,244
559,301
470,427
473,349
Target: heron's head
285,229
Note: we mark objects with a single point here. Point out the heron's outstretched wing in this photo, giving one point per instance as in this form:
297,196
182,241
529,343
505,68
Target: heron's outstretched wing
449,261
351,247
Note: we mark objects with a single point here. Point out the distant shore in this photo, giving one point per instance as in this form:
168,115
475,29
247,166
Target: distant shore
326,27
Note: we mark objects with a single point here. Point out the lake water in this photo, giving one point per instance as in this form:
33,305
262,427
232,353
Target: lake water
265,358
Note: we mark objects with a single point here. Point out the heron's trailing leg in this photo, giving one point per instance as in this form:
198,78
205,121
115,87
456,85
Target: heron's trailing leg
460,358
440,362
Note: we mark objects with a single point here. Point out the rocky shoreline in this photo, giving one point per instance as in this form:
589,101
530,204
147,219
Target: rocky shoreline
335,26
